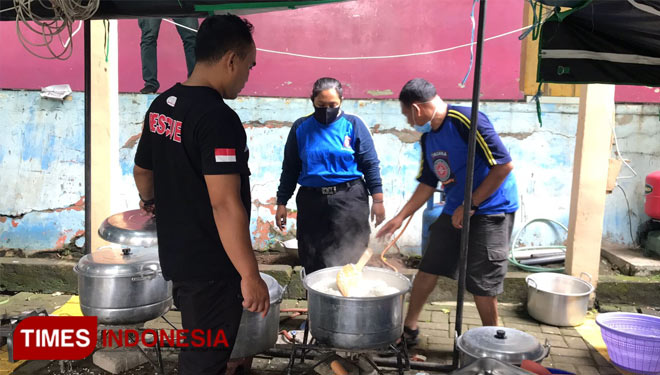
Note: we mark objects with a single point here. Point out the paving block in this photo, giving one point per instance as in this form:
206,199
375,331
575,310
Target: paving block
425,316
568,352
576,343
466,314
569,332
466,320
440,340
556,341
433,333
519,320
440,317
439,306
118,360
573,360
524,327
550,329
432,325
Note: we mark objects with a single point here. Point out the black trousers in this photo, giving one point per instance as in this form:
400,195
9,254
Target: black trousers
333,230
208,305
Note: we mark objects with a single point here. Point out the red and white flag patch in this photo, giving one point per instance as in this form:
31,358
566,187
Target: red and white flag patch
225,155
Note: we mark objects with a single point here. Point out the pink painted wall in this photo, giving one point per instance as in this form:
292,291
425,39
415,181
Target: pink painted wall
359,28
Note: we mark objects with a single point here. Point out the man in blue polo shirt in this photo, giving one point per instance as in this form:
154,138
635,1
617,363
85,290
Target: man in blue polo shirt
494,202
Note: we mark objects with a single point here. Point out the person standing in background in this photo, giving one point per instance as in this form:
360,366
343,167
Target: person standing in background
149,52
332,156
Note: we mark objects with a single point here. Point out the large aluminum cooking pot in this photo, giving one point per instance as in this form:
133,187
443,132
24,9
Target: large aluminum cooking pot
557,299
504,344
123,285
356,322
257,334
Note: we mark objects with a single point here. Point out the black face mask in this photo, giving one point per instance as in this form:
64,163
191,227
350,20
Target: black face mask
326,115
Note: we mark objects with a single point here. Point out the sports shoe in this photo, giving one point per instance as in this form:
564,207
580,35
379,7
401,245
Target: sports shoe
148,89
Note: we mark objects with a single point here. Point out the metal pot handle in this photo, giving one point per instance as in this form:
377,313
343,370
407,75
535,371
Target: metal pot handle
148,275
150,271
303,274
587,275
279,300
535,286
546,349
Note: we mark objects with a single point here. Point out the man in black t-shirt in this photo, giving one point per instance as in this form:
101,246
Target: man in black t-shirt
192,166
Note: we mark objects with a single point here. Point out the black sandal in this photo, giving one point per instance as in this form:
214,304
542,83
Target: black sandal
411,336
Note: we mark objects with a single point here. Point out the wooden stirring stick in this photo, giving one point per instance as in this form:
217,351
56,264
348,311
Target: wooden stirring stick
351,274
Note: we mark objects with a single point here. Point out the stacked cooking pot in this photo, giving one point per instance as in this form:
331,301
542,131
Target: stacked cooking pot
123,284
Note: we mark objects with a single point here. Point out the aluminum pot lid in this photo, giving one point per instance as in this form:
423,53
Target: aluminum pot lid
130,228
114,261
505,344
275,290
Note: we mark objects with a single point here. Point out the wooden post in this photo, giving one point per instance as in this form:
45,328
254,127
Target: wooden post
104,99
590,169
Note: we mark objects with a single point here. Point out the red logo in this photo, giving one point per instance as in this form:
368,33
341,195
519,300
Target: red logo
75,337
442,169
55,337
163,125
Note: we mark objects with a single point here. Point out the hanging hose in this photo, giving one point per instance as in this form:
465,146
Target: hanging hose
382,254
529,268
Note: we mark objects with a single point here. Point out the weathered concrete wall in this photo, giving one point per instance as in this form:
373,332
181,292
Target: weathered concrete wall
41,163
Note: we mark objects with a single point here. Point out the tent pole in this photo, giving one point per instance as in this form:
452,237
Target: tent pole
88,134
469,178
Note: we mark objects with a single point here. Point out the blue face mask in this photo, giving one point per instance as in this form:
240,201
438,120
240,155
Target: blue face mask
426,127
423,128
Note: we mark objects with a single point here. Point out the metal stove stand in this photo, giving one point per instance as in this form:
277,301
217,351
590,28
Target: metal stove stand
8,325
159,366
327,352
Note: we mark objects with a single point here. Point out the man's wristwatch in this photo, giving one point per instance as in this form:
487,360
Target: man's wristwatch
474,207
147,202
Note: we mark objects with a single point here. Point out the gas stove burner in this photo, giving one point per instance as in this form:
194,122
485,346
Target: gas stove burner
327,353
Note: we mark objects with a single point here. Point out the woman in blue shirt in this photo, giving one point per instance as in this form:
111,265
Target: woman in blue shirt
331,155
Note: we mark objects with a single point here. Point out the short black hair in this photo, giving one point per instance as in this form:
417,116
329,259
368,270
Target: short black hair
327,83
220,34
417,90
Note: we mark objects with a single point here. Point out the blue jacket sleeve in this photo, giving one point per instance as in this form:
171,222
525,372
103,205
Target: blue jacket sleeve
426,175
291,167
366,156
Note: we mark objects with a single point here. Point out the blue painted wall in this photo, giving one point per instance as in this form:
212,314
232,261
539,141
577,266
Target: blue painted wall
41,163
